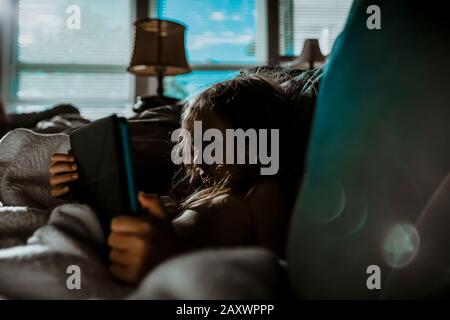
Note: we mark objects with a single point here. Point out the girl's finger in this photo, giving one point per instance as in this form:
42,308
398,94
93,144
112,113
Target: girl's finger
129,224
122,241
120,271
119,256
152,203
58,192
62,157
60,167
63,178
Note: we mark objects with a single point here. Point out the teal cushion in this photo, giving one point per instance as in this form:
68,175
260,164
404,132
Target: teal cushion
379,153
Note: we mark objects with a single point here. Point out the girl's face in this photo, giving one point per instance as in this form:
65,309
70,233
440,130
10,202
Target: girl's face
234,174
209,120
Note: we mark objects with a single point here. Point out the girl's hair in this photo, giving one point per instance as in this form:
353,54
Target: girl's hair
246,102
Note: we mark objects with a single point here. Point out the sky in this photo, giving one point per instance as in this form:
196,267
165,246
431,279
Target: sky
218,31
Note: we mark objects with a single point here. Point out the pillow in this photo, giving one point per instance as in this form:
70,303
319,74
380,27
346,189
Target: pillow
151,147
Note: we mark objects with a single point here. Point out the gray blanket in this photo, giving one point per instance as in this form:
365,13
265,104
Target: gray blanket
40,237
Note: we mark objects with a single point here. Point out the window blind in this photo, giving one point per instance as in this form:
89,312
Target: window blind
303,19
57,62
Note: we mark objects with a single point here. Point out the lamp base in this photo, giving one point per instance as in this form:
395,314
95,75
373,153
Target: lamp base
149,102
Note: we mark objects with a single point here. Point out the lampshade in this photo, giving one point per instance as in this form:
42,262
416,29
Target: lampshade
158,48
310,55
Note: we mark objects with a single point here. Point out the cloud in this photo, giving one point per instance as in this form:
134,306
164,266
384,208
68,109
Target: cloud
222,16
227,34
217,16
213,39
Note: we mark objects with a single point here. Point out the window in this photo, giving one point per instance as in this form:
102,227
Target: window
5,42
303,19
221,36
189,84
85,65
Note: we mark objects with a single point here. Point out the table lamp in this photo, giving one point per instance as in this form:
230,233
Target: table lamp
158,51
310,56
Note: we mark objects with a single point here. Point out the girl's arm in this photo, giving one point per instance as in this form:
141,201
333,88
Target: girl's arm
223,221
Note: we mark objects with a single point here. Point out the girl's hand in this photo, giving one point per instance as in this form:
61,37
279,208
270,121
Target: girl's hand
139,244
63,170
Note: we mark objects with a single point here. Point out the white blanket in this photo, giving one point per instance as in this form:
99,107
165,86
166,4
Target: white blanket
40,237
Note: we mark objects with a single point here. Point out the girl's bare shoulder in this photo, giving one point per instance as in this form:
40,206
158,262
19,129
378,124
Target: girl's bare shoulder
266,192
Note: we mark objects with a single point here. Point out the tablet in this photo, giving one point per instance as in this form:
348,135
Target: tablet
106,179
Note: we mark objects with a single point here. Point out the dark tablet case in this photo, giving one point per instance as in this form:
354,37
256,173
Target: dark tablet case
106,179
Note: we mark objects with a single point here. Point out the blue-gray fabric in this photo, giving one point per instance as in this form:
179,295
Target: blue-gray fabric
376,190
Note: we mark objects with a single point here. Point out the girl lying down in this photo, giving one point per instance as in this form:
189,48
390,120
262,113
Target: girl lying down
219,204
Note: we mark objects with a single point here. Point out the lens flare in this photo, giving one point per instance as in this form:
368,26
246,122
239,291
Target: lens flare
325,206
401,245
